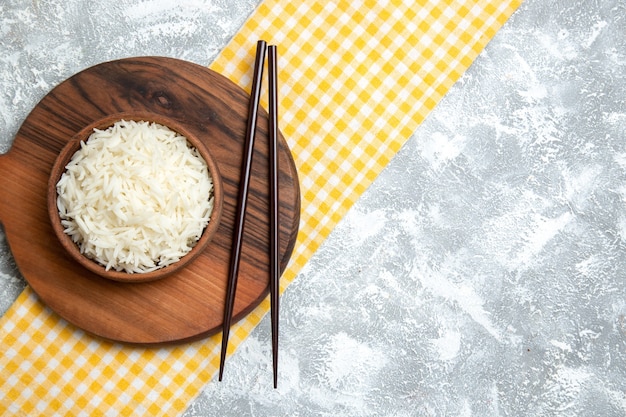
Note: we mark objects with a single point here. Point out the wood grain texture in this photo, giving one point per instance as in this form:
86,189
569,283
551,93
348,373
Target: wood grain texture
188,304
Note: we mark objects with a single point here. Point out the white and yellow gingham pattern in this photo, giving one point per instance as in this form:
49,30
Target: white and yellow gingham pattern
356,79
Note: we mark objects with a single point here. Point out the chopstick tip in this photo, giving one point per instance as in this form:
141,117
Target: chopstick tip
275,375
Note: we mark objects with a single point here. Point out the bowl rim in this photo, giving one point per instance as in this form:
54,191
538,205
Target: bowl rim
59,167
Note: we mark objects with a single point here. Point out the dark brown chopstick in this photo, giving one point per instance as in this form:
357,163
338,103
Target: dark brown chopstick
274,241
253,108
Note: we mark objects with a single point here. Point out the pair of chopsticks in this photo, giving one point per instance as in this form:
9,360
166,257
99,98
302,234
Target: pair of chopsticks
243,197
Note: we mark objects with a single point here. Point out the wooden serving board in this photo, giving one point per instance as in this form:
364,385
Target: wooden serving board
189,304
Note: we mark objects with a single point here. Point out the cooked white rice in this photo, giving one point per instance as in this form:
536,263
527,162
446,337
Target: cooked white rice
135,197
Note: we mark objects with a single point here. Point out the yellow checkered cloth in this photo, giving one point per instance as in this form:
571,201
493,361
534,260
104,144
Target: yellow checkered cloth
356,80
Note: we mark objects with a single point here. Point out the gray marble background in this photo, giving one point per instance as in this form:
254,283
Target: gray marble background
483,273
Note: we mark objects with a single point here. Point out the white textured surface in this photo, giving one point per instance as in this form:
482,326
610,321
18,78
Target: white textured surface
483,274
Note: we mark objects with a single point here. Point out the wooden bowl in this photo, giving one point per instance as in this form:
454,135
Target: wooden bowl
72,248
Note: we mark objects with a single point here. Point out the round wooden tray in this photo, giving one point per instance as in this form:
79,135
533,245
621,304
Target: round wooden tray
189,304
